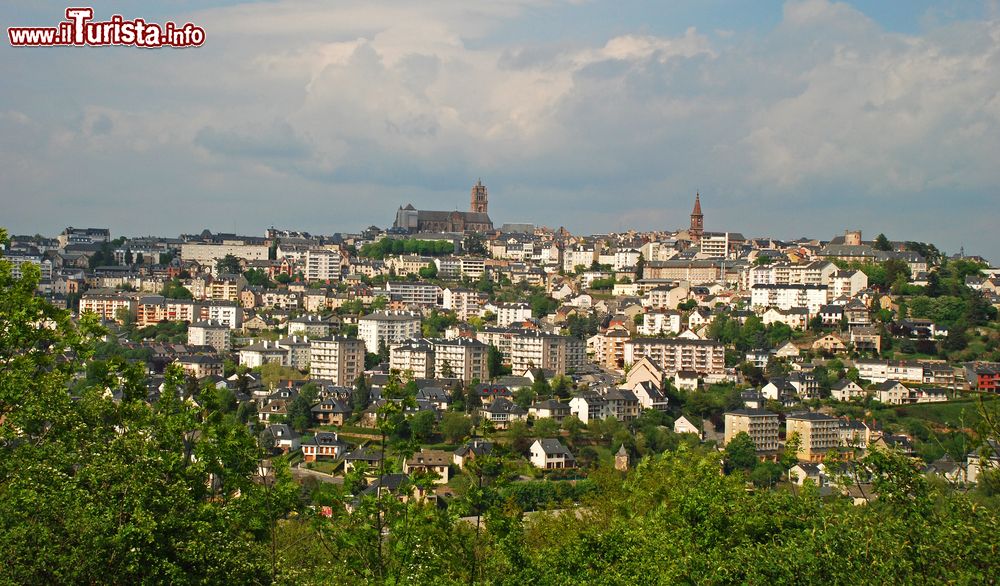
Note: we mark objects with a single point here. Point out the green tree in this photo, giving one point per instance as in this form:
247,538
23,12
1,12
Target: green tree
229,264
422,425
882,243
741,453
455,426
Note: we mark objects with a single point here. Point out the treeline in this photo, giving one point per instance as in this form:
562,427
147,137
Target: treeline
396,246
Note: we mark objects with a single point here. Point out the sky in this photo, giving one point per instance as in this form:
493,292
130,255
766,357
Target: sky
797,118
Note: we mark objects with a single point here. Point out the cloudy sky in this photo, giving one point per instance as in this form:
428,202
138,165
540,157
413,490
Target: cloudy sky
791,118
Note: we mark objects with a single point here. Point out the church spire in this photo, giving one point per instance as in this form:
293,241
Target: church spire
697,220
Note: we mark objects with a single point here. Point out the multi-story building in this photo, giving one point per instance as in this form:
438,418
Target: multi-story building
314,326
761,425
811,297
299,351
879,371
464,358
322,264
464,302
263,352
208,254
706,357
847,284
225,312
589,406
210,333
512,313
608,347
388,327
414,293
818,433
414,356
655,323
337,358
73,235
535,349
109,304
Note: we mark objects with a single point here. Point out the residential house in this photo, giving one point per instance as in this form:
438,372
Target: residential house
429,461
683,425
324,445
551,454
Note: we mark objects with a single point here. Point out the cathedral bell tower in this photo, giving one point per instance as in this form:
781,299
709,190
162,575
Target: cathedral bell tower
479,202
697,220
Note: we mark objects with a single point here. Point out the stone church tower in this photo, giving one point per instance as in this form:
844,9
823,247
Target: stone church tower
479,203
621,459
697,220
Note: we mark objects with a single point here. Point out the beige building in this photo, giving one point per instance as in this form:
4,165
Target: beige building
818,434
337,358
210,333
464,358
413,356
706,357
534,349
761,425
107,303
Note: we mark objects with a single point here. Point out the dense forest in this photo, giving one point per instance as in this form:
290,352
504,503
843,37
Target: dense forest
111,483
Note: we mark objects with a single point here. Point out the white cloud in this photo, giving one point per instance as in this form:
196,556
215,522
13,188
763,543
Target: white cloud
405,99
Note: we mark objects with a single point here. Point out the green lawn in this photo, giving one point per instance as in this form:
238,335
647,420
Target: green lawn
960,413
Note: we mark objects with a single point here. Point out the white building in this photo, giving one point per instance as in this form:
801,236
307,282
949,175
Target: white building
512,313
210,333
322,264
658,322
388,327
337,358
811,297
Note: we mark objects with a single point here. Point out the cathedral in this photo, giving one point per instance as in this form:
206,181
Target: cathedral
477,219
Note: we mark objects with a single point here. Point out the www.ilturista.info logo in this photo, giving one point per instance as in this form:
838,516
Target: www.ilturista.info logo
80,30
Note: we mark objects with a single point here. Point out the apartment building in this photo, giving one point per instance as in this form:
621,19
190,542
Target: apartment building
322,264
818,433
415,293
414,356
706,357
388,327
535,349
657,322
785,297
512,313
464,358
337,358
464,302
108,303
760,424
210,333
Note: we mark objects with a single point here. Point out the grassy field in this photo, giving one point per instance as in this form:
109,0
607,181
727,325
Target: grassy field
962,413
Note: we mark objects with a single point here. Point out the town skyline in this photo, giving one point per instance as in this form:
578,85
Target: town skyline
791,118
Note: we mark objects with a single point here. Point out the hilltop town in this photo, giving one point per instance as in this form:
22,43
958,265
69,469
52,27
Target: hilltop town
572,349
398,362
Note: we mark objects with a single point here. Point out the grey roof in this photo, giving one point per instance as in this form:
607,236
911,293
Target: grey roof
554,447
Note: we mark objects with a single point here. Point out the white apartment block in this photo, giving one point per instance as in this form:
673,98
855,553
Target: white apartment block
414,293
759,424
337,358
463,302
706,357
210,333
847,284
879,371
322,264
655,323
533,349
512,313
224,312
664,297
811,297
414,356
264,352
388,327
